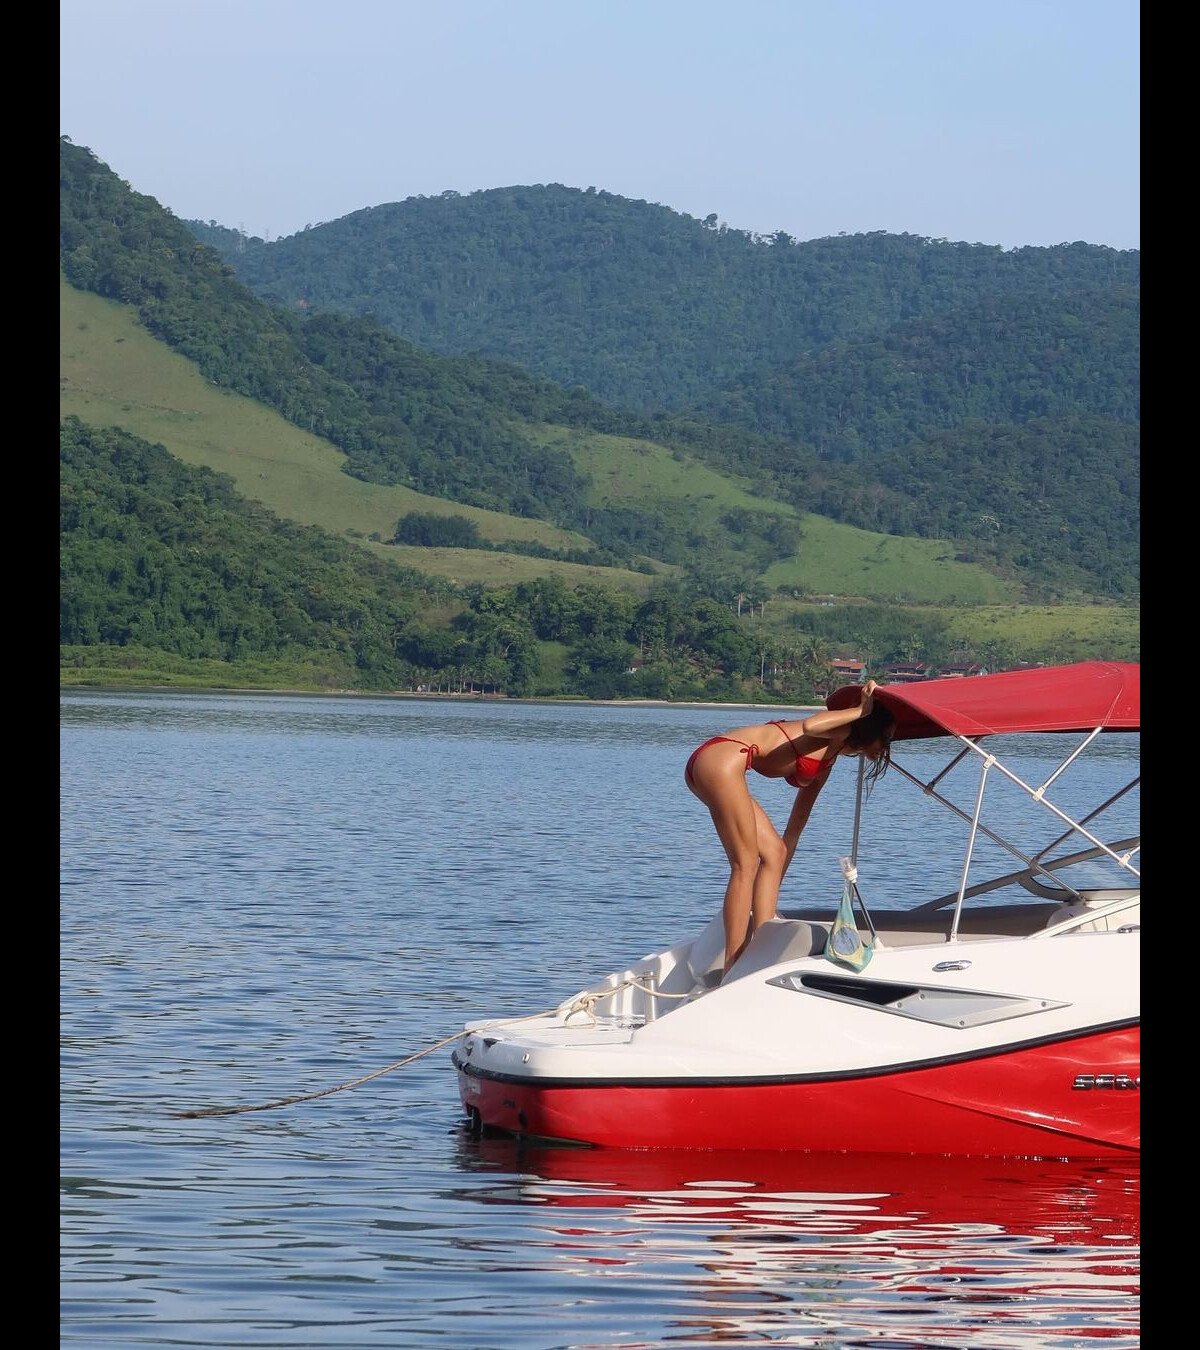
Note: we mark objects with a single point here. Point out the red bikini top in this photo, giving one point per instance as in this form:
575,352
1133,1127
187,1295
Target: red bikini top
808,767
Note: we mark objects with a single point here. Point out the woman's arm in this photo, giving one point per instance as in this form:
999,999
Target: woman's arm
806,798
825,723
820,724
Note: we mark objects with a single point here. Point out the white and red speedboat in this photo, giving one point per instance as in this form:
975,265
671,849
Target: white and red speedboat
1001,1017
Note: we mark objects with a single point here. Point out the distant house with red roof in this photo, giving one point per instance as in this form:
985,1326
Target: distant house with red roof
841,670
962,670
848,668
906,672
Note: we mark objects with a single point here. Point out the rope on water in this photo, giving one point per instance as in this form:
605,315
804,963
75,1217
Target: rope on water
584,1003
311,1096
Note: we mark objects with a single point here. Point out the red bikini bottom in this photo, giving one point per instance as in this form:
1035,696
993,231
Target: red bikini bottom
748,750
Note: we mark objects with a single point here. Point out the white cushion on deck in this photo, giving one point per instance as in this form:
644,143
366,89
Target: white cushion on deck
707,952
779,940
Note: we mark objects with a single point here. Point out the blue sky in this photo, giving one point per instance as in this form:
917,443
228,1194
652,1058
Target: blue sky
1013,123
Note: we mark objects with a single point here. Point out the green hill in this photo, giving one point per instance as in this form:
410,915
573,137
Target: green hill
458,428
645,306
871,353
113,372
157,556
599,536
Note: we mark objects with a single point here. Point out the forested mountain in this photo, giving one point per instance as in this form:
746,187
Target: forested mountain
645,307
453,428
1006,359
889,355
158,559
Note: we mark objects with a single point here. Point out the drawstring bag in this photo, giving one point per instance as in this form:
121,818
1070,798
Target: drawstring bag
845,947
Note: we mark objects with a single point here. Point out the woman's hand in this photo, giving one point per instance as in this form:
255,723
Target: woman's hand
868,698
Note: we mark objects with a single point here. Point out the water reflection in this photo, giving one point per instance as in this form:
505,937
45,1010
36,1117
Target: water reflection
917,1251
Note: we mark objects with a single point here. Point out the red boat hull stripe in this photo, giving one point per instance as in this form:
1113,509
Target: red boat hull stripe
1024,1103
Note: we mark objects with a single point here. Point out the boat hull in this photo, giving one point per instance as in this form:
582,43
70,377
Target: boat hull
1074,1098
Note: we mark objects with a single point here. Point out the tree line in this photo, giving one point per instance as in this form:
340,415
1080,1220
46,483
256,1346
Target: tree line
157,556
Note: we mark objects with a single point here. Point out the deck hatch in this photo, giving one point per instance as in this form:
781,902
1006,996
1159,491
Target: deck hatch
955,1008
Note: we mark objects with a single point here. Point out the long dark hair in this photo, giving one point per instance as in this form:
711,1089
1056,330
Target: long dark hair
878,726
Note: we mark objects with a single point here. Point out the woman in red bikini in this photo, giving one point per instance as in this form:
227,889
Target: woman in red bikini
802,754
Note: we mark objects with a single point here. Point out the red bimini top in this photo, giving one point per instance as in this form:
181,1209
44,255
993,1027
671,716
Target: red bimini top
1077,697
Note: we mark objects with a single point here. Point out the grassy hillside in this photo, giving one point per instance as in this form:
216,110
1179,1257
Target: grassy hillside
112,372
1114,630
997,635
841,560
625,469
832,558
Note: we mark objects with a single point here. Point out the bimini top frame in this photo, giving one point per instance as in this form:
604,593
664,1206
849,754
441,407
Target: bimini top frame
1088,697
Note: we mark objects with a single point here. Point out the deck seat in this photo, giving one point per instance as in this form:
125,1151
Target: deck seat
706,955
779,940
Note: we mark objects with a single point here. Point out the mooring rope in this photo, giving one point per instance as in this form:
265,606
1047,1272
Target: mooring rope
311,1096
584,1002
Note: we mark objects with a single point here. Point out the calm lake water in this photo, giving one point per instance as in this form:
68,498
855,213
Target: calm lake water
266,896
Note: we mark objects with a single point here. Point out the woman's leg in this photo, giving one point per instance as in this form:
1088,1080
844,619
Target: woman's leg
752,845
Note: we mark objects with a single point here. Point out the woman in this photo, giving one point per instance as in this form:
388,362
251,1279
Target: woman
802,754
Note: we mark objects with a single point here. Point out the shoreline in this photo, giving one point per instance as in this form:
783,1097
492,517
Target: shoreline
208,691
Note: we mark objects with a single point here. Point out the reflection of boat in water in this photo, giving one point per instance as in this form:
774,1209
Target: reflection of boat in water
1085,1204
904,1250
999,1018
